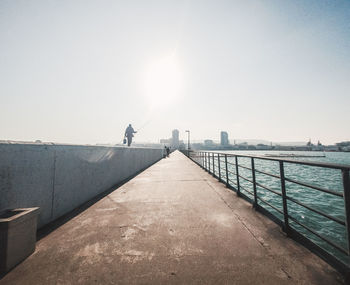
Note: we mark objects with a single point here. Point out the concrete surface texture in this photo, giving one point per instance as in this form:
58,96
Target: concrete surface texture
59,178
171,224
17,236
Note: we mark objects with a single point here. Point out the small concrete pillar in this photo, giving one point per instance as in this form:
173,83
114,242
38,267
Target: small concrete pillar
17,236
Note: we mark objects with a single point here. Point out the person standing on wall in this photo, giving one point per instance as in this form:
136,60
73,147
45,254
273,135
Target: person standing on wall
129,133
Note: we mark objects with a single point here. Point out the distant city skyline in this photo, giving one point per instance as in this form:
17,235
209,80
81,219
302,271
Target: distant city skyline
184,139
224,138
81,71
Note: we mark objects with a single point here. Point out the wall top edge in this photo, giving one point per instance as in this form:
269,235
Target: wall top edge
73,145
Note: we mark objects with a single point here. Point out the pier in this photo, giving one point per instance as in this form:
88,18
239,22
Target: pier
173,223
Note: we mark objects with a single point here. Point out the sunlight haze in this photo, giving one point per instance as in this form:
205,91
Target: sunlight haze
81,71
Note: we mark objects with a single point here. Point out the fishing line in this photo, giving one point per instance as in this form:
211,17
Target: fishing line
140,128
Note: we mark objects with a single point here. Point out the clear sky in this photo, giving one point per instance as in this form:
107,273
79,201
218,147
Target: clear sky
81,71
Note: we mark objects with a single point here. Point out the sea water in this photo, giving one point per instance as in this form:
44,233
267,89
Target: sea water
318,176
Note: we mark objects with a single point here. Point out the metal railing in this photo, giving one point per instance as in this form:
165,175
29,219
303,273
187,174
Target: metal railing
230,170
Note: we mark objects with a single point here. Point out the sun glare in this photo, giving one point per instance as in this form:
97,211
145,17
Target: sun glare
163,82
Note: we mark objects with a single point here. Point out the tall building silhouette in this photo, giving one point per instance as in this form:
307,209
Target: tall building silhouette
175,139
224,138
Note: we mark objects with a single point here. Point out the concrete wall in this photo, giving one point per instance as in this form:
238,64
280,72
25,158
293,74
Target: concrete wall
59,178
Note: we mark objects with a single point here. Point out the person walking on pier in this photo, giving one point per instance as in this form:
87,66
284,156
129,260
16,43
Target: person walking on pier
129,133
166,151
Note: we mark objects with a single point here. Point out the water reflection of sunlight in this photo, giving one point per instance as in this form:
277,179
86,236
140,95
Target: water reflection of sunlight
163,82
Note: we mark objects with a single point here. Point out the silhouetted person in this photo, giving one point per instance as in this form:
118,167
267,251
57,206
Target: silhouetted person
129,133
166,151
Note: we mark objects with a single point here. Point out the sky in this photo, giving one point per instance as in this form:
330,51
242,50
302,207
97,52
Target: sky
80,71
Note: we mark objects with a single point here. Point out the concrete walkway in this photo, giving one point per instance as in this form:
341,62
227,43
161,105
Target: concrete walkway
173,223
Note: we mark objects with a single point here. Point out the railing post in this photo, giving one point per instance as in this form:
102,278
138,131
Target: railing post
254,185
226,170
346,186
237,176
219,167
284,198
209,162
213,156
205,161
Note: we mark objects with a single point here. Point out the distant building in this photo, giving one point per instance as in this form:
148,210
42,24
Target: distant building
175,139
208,142
224,139
261,146
243,145
343,146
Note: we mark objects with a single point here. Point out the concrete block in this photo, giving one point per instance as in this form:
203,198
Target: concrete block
17,236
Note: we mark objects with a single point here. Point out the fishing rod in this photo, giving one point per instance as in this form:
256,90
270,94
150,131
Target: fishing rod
145,124
140,128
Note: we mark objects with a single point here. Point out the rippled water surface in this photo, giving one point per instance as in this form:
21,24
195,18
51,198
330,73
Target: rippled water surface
319,176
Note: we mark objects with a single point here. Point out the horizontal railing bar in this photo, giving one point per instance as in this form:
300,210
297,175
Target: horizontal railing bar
232,181
273,191
292,199
272,206
250,192
230,163
310,163
245,167
269,174
316,211
231,172
340,248
245,178
293,181
315,187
